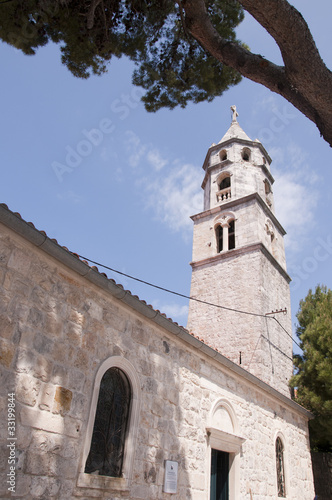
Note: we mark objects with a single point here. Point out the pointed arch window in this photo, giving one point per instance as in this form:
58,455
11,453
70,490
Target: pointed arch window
110,426
280,468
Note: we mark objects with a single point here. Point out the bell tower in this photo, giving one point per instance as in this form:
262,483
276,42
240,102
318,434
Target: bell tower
239,262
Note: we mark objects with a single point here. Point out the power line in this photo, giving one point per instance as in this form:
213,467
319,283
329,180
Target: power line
188,297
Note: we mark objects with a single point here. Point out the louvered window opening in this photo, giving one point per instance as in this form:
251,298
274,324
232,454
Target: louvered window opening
110,426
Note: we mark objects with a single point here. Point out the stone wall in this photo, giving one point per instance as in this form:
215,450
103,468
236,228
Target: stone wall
56,331
246,282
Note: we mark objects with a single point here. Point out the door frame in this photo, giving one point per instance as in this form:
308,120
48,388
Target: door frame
230,443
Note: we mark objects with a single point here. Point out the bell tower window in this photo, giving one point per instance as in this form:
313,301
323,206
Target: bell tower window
219,235
224,188
223,155
231,235
225,235
246,153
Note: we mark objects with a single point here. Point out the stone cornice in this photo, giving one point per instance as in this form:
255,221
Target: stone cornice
231,254
237,202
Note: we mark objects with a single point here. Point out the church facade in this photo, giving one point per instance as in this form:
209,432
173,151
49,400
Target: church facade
104,397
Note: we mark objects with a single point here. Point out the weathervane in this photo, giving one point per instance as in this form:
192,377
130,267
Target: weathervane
235,114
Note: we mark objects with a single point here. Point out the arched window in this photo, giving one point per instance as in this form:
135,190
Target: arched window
223,155
225,235
231,235
219,234
224,187
246,154
225,183
280,468
110,425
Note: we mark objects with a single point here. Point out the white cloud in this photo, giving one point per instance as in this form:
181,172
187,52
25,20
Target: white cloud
176,312
70,196
295,194
176,196
134,147
155,159
107,153
173,194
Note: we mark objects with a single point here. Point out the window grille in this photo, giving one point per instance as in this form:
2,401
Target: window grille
280,468
110,426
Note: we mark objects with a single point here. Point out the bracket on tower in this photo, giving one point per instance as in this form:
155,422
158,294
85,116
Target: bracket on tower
277,311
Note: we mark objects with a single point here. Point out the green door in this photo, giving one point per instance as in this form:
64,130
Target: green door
219,475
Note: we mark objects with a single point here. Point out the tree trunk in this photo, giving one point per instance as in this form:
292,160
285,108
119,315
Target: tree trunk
304,80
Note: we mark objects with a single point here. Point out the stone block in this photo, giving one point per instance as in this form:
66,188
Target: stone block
19,261
59,375
42,344
53,325
73,333
7,351
42,465
27,389
62,400
79,406
6,326
46,397
76,379
36,318
22,486
7,382
45,487
81,360
140,334
42,368
50,422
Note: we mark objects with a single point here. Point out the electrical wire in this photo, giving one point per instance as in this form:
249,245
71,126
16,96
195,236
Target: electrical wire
188,297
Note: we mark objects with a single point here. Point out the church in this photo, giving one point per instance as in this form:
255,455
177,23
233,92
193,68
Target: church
104,397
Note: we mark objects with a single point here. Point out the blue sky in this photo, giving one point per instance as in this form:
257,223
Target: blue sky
85,162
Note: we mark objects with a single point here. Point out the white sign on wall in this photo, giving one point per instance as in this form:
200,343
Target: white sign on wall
171,476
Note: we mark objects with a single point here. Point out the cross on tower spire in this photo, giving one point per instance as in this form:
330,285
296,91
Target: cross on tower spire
235,114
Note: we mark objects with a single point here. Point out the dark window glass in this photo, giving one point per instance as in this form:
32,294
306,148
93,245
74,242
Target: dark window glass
231,235
280,468
225,183
219,233
110,427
